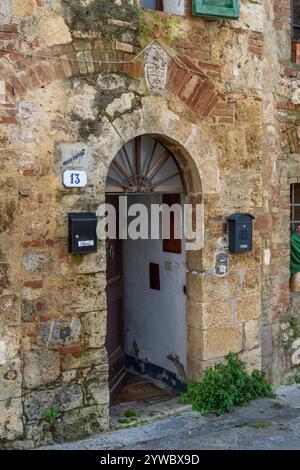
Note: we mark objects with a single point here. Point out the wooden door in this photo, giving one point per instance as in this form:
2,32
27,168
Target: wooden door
115,326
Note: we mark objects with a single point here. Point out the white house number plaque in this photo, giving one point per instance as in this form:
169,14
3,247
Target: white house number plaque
74,178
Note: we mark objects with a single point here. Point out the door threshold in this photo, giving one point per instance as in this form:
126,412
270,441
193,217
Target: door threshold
144,400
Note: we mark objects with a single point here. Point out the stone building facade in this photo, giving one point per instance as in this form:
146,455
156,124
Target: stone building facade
72,79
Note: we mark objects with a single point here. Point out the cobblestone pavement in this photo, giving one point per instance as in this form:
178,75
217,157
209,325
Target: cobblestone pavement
263,424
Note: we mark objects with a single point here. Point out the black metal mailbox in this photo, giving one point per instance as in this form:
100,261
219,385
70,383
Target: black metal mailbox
82,232
240,232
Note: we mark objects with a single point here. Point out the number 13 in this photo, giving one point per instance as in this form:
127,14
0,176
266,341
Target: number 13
75,178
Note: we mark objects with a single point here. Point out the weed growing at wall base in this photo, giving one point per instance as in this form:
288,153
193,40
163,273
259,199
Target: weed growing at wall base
226,386
51,415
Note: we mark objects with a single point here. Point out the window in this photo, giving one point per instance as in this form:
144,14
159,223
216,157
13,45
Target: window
154,276
172,244
295,206
217,8
152,4
295,13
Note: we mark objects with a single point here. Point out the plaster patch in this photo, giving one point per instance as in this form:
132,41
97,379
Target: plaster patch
82,102
2,352
5,11
53,30
121,104
2,92
251,17
267,256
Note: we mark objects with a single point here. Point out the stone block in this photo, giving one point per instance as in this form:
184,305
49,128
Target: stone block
251,17
62,332
27,311
34,261
210,314
214,342
92,262
80,423
9,343
252,334
267,345
10,310
88,293
120,105
248,307
53,30
221,287
41,367
86,359
66,398
10,380
97,394
250,280
83,102
11,424
194,286
194,368
252,359
110,81
37,433
99,374
94,328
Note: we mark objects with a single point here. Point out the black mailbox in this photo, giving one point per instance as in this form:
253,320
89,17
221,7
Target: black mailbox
240,232
82,232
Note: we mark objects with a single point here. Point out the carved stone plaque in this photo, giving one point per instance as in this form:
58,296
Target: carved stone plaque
156,68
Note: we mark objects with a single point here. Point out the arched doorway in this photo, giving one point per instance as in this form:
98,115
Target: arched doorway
146,277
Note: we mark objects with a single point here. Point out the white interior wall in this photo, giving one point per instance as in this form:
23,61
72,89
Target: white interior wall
155,321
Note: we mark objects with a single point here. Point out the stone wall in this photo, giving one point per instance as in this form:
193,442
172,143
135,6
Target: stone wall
69,84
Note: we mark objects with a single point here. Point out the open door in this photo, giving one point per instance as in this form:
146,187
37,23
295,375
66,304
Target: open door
114,292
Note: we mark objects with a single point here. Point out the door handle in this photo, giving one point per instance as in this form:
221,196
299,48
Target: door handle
109,251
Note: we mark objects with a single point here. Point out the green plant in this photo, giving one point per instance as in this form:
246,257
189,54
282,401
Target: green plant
294,379
131,414
294,327
259,425
123,420
51,415
226,386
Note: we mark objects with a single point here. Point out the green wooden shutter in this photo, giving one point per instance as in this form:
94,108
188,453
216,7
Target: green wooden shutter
217,8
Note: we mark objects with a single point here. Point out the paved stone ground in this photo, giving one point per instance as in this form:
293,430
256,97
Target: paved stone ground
263,424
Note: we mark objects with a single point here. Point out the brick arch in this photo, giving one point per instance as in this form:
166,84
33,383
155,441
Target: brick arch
185,80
